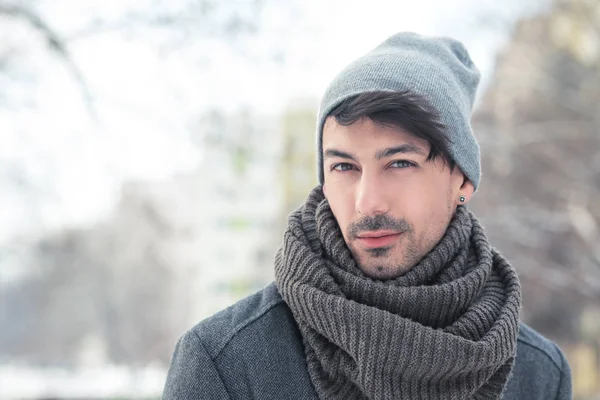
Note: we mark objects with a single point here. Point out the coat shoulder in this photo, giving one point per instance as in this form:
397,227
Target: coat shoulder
534,345
541,370
218,330
250,350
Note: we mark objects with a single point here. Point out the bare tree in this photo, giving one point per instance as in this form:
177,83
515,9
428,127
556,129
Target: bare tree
55,43
538,125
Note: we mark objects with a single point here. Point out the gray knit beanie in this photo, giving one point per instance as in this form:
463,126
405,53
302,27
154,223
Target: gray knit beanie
438,69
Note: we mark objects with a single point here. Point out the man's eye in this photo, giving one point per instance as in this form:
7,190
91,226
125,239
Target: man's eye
401,164
341,167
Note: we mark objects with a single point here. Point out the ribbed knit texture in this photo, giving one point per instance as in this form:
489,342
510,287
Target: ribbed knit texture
446,329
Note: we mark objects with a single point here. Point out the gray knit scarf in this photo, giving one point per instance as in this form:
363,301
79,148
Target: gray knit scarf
447,329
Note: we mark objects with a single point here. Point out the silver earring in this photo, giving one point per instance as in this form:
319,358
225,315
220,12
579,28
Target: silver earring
462,199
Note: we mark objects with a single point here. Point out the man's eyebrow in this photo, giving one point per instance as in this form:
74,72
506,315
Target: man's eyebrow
338,153
403,149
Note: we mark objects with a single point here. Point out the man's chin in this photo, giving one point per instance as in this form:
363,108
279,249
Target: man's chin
383,272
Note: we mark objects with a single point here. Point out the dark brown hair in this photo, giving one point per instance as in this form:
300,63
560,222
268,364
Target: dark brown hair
404,110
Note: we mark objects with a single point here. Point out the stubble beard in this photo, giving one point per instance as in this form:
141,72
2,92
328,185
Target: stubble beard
379,263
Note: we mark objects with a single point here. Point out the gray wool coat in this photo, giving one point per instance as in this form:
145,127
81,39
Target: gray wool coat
253,350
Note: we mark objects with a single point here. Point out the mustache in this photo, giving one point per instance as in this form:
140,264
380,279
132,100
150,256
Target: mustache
376,223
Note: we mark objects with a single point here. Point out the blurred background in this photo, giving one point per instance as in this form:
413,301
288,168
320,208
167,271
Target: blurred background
150,151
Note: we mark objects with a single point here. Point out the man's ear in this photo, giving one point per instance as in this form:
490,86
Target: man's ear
466,190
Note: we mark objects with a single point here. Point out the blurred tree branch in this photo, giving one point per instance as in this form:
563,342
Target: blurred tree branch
55,43
538,126
194,20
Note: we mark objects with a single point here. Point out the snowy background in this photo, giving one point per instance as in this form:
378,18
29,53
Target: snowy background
150,150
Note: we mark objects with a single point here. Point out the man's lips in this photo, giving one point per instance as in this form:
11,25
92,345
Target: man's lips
378,238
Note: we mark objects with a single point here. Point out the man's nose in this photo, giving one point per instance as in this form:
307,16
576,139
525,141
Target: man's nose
371,199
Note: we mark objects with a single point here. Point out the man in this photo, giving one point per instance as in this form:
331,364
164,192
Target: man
386,286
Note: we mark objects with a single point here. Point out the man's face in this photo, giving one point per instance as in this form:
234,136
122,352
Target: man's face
391,204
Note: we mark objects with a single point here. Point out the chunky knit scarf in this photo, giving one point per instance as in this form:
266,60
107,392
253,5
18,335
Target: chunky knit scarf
447,329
